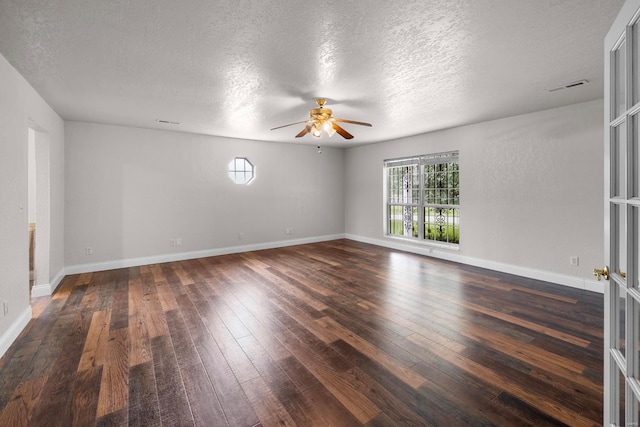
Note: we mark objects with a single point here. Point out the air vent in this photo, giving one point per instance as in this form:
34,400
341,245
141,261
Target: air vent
167,122
569,85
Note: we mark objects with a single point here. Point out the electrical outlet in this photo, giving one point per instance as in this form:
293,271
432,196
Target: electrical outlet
178,241
5,308
574,260
240,236
172,242
88,250
288,230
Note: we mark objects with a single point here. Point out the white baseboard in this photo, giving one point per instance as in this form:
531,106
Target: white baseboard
561,279
123,263
14,330
47,289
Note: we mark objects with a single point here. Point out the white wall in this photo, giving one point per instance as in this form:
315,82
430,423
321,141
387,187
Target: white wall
531,192
129,191
21,107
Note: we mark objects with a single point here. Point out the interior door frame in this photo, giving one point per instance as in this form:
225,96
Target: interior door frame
621,345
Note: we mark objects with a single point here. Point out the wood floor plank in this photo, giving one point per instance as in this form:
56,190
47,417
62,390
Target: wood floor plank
54,407
85,396
338,384
404,374
238,361
16,368
167,300
95,346
310,323
397,412
294,402
520,389
234,402
269,409
144,407
18,411
139,339
151,307
114,419
193,374
324,402
528,324
50,348
120,306
286,286
225,313
425,406
337,333
262,328
172,396
114,389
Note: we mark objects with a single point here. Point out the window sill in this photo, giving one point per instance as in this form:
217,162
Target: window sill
431,244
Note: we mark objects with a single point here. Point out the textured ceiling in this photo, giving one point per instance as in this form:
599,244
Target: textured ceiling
238,68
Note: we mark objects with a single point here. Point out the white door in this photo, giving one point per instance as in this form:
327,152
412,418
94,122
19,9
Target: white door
622,215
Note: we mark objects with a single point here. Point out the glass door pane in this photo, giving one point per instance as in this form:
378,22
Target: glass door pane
635,245
620,79
619,161
619,230
635,31
634,157
621,319
621,405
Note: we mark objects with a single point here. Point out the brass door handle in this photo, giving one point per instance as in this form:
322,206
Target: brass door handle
622,274
601,273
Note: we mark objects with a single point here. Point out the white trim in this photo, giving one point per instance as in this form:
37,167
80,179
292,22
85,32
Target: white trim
41,290
14,330
434,251
434,244
58,279
561,279
123,263
47,289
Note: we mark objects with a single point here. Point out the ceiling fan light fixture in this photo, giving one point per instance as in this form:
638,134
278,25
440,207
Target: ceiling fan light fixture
320,119
327,126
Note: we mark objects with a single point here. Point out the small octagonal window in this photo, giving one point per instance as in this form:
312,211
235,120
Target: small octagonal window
241,170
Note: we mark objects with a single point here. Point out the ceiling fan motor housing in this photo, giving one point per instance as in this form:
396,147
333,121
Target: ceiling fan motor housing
321,114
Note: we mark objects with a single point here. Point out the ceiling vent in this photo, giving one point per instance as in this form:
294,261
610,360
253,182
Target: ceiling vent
167,122
569,85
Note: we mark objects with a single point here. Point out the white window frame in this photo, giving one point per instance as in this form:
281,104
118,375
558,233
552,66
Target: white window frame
416,201
241,171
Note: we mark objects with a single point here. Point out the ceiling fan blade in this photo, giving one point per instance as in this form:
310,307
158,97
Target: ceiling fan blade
290,124
305,131
343,133
353,122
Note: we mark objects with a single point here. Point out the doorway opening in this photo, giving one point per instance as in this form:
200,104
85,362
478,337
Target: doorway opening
31,150
38,208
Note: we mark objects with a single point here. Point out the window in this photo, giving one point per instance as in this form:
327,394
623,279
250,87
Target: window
423,198
241,170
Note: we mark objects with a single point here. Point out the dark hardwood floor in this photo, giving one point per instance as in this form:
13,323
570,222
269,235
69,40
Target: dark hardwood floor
338,333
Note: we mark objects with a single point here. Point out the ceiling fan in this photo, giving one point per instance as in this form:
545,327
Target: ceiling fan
320,119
